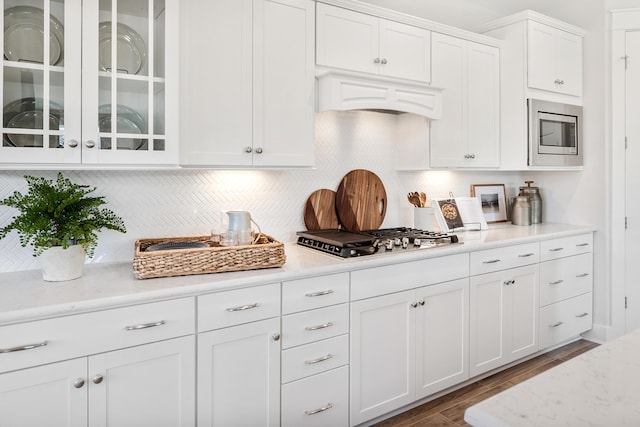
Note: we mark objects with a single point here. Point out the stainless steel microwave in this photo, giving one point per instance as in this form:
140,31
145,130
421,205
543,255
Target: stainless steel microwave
555,134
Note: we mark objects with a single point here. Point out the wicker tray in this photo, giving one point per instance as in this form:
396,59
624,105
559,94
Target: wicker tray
266,253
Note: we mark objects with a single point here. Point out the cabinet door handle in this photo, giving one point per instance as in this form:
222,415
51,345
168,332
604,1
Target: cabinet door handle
526,255
23,347
384,61
90,143
79,383
491,261
555,325
557,282
559,82
585,314
244,307
509,282
582,244
144,325
582,275
259,150
319,293
248,149
555,249
97,379
73,143
323,326
318,360
414,304
276,337
376,61
317,411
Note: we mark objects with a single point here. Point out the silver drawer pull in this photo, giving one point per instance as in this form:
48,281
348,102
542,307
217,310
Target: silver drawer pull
555,249
318,360
315,328
555,325
319,293
316,411
582,275
582,244
23,347
585,314
491,261
144,326
557,282
244,307
526,255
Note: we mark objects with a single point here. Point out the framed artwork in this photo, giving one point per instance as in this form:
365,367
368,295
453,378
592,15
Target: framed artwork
492,200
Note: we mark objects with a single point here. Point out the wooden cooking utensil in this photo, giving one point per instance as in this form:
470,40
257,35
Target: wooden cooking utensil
361,201
320,211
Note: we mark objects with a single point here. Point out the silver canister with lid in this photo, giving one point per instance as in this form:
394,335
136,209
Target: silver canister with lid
533,193
521,211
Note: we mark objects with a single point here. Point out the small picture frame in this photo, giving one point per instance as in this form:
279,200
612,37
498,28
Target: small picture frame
493,201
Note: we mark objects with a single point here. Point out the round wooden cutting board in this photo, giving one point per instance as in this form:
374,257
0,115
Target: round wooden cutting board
361,201
320,211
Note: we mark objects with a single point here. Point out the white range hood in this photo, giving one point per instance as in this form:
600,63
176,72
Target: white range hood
344,90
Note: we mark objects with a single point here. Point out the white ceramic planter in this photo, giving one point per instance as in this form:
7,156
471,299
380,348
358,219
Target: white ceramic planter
59,265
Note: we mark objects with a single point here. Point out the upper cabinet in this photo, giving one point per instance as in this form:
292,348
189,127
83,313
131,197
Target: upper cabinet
468,134
247,83
554,60
100,91
356,41
541,59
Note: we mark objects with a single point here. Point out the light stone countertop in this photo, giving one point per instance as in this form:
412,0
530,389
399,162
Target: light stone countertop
599,388
24,296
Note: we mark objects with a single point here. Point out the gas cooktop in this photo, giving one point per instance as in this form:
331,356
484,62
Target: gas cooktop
347,244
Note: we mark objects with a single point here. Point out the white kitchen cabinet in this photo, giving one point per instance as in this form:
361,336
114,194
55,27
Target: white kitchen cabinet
468,134
239,375
554,60
54,394
359,42
315,351
566,289
239,357
538,51
407,345
503,317
96,115
149,381
247,83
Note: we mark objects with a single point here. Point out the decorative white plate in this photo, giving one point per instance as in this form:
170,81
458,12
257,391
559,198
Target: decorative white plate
24,36
127,121
132,51
27,113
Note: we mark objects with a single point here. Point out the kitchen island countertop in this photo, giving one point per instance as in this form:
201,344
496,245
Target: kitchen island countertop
599,388
24,296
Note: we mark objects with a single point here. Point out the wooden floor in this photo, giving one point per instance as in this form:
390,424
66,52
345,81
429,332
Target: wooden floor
448,410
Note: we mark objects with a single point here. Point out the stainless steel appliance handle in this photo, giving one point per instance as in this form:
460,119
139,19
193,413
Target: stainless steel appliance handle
144,325
23,347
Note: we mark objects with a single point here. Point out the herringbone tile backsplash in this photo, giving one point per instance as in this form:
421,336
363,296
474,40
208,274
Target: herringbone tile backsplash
190,202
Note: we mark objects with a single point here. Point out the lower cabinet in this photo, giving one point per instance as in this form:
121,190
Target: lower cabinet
407,345
503,317
151,384
239,375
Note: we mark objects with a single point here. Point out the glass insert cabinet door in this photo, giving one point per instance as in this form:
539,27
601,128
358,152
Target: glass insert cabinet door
89,82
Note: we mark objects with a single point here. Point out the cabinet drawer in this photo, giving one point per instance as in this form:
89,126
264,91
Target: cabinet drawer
314,325
503,258
565,319
388,279
321,400
314,358
315,292
239,306
565,278
46,341
566,246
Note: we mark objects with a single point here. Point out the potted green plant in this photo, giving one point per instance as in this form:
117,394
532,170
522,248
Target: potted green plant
61,221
